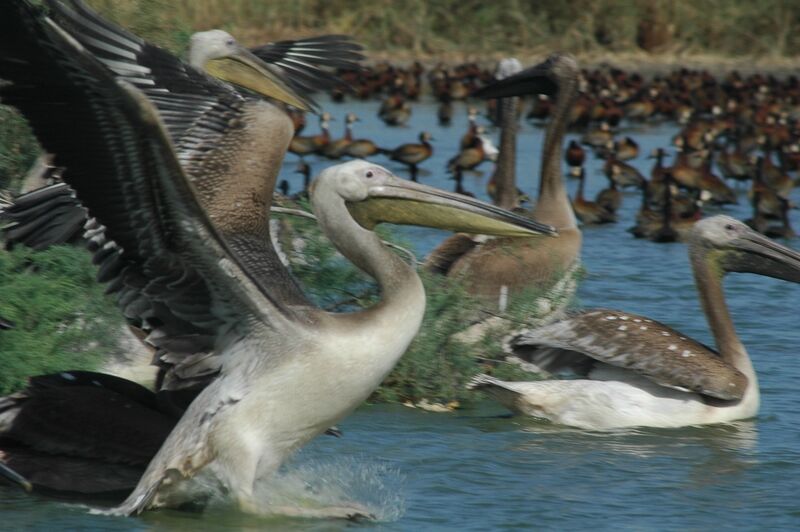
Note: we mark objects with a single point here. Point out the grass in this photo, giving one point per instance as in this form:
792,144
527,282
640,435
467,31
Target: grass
437,365
478,28
18,149
62,318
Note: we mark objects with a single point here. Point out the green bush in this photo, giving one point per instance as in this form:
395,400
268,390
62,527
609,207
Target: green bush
437,365
62,317
18,148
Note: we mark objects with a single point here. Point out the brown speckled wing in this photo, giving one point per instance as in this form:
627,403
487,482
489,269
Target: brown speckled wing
642,345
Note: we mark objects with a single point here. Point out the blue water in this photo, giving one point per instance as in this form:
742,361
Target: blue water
479,469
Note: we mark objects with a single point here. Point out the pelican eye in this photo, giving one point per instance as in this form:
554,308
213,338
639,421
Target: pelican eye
230,42
729,227
369,173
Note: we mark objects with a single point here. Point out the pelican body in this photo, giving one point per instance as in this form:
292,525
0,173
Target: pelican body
488,266
638,372
186,246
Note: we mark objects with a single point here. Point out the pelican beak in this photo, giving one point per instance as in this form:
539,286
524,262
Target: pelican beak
534,80
398,201
243,68
755,253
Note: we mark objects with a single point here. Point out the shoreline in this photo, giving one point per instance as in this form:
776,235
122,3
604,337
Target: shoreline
639,61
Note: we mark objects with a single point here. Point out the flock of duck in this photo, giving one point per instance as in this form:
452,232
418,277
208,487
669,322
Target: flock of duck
168,171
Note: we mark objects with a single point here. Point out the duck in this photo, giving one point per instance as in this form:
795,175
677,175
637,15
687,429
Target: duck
412,154
590,212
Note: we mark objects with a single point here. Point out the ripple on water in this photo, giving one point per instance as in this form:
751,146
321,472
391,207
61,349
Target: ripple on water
476,471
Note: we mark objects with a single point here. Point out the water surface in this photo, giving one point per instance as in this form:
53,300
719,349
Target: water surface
480,469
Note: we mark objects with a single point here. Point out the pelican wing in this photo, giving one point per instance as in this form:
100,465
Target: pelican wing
183,95
452,248
647,347
162,250
200,113
44,217
309,65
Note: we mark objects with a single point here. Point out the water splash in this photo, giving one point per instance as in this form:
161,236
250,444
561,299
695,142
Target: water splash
316,484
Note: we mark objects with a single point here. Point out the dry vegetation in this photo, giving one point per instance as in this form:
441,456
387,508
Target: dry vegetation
477,28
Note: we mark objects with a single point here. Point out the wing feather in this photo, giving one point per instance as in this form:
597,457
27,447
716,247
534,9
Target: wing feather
120,161
645,346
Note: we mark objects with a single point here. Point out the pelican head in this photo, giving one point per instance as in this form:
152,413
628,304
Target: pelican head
219,54
539,79
737,248
374,195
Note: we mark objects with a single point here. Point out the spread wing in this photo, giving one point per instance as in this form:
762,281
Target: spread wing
647,347
200,113
310,64
161,249
44,217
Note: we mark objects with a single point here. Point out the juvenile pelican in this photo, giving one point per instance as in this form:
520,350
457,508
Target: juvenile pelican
285,71
639,372
487,267
187,261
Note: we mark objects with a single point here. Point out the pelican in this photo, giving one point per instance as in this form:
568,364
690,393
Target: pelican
287,71
486,268
186,244
639,372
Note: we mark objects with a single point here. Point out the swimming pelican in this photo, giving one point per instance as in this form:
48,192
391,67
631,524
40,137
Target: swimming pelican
489,266
281,371
639,372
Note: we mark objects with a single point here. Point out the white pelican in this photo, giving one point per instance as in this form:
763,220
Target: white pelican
182,187
639,372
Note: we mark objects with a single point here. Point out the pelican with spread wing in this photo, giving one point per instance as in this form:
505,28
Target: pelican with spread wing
180,176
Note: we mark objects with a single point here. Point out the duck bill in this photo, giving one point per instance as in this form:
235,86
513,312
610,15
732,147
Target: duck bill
244,69
534,80
408,203
758,254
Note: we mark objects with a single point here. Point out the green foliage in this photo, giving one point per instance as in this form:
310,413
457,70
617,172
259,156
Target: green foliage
62,318
437,365
18,148
327,277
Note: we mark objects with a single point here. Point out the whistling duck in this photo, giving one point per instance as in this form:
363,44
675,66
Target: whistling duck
395,110
626,149
335,149
575,155
303,146
610,198
445,111
470,157
598,137
622,173
589,212
412,154
468,138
